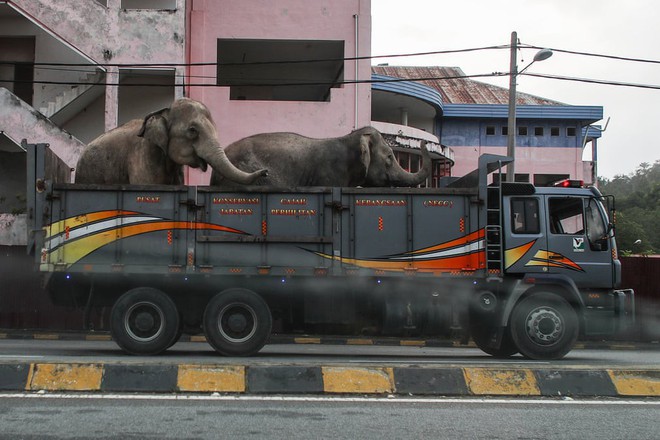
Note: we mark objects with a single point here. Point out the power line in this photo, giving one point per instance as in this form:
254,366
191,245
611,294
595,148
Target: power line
597,55
277,82
262,84
300,83
322,60
258,63
595,81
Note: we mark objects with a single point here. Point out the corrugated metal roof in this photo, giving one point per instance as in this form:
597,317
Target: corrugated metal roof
455,89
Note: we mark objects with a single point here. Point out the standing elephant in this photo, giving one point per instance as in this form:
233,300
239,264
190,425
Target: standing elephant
362,158
153,150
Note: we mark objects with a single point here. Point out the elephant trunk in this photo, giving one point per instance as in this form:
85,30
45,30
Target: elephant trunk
219,161
403,178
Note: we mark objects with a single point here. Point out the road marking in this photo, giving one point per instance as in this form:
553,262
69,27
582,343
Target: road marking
331,399
20,356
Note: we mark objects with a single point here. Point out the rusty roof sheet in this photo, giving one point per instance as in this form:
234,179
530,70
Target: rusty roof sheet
456,89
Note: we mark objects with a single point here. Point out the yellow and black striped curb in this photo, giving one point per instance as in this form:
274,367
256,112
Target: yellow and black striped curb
329,380
326,340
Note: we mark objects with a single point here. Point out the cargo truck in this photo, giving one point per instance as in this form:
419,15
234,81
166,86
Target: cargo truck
516,268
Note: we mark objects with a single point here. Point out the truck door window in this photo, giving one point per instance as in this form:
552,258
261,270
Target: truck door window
596,227
525,215
566,216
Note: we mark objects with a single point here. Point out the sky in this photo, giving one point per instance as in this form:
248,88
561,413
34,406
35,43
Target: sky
628,29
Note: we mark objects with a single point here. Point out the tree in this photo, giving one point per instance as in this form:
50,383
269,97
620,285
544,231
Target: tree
638,207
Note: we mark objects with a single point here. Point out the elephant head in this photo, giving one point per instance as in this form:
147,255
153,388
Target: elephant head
186,133
382,167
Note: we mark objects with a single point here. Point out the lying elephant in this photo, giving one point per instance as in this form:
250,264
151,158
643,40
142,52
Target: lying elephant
362,158
153,150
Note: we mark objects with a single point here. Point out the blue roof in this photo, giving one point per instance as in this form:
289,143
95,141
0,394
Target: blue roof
585,113
408,88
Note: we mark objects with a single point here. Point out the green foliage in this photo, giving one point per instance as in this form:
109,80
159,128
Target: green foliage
638,208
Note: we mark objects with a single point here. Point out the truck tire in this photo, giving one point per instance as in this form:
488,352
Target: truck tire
237,322
144,321
481,335
544,326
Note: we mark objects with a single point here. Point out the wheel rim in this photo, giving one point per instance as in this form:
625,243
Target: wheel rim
237,322
544,325
144,321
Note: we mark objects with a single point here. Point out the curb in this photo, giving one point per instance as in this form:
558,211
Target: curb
329,380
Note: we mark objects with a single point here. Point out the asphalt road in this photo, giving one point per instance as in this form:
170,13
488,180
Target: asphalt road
647,356
166,417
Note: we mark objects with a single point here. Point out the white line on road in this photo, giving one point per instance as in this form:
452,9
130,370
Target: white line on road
389,399
20,356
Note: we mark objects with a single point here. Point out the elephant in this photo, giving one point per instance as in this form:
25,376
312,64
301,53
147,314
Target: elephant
153,150
361,158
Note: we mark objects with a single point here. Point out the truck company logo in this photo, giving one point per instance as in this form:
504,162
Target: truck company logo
294,212
235,201
578,244
439,203
236,211
302,201
147,199
369,202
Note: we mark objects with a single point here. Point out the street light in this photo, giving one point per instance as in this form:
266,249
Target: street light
541,55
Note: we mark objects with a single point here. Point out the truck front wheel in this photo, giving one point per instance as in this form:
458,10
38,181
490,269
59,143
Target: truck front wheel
144,321
237,322
544,326
482,336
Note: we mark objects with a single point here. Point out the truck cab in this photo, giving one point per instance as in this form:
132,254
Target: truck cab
563,231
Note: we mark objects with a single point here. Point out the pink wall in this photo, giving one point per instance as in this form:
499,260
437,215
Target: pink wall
288,20
529,160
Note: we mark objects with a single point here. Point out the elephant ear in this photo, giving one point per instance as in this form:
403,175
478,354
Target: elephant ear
155,129
365,153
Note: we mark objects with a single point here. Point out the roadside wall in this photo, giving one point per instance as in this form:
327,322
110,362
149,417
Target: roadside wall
641,274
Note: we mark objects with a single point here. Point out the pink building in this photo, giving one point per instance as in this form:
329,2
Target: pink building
261,46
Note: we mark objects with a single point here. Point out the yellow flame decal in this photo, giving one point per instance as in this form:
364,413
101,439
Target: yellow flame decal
513,255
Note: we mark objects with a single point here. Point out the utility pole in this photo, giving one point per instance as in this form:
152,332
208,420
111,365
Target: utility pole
511,130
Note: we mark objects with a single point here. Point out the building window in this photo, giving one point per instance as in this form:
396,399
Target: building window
280,70
145,4
554,131
525,216
519,178
505,131
548,179
412,163
490,130
570,131
538,131
522,131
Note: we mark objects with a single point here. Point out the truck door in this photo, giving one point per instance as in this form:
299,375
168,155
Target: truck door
577,240
525,235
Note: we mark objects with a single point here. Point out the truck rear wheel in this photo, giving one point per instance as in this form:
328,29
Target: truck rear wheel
544,326
237,322
144,321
